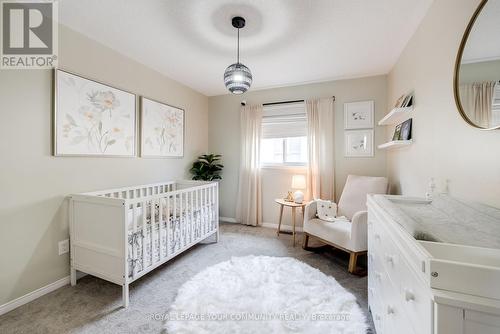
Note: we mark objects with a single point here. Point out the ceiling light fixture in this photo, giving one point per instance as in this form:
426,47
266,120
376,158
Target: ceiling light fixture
237,77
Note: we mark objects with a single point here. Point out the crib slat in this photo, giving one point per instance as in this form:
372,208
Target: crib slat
191,216
154,232
168,224
160,227
144,215
204,220
174,222
134,235
181,224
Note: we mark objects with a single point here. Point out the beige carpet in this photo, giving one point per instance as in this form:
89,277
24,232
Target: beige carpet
93,306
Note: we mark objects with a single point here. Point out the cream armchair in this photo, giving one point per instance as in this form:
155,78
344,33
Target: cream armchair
350,236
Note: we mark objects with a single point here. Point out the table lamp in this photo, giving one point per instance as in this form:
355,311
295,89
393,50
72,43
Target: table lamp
298,183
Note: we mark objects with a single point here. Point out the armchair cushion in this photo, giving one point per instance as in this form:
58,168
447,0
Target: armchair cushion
338,232
353,198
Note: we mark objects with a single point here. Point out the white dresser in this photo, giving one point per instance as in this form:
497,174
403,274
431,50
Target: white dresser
438,286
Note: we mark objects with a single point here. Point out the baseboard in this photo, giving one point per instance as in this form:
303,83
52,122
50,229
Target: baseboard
283,227
29,297
9,306
227,220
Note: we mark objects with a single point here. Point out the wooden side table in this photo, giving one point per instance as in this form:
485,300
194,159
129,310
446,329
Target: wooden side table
292,205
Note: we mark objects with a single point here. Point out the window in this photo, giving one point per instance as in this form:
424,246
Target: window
284,135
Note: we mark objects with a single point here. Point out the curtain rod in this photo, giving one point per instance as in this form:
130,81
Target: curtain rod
285,102
243,103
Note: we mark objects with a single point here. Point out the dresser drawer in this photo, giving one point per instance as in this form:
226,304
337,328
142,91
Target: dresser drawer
406,301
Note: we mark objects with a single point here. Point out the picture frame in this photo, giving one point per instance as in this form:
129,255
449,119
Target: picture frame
397,132
91,118
359,143
162,129
406,130
399,102
359,115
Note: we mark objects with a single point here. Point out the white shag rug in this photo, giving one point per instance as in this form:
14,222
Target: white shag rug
262,294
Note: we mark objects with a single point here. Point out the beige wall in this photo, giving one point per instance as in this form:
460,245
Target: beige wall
33,211
224,137
445,146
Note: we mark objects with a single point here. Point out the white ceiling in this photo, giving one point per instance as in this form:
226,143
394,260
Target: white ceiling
482,44
285,42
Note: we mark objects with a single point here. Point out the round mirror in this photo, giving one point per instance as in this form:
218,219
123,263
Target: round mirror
477,69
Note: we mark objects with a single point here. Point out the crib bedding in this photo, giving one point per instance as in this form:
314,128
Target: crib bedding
168,211
181,231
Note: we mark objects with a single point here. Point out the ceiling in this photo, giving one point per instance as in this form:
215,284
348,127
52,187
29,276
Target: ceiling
285,42
482,44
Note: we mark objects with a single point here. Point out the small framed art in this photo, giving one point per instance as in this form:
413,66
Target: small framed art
358,115
162,129
358,143
406,130
397,132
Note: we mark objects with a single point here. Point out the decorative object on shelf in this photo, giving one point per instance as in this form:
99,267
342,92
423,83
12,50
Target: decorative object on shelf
399,102
299,183
289,197
358,115
407,102
358,143
92,119
237,76
406,130
397,132
162,129
207,167
404,101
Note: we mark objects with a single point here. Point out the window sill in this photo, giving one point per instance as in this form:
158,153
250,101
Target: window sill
285,167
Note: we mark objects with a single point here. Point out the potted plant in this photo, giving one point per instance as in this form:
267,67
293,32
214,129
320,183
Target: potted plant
207,167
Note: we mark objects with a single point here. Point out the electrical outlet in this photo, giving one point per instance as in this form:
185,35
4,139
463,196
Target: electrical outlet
63,247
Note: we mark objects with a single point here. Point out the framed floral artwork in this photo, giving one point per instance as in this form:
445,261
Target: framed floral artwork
162,129
359,115
92,119
359,143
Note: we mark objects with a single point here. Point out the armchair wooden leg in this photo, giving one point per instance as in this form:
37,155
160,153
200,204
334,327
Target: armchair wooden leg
306,240
353,258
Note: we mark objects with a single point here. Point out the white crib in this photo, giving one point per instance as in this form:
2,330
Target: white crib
121,234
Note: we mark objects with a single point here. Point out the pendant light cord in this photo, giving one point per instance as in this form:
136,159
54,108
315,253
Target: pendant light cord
238,52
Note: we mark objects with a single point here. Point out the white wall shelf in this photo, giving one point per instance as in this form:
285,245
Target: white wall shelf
395,144
396,115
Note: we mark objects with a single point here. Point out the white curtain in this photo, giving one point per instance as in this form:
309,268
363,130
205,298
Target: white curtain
249,201
320,149
477,101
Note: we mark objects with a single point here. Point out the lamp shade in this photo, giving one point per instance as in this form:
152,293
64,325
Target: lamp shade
237,78
298,182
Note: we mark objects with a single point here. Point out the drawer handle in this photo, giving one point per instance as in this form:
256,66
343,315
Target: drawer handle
377,236
390,258
409,296
390,309
377,317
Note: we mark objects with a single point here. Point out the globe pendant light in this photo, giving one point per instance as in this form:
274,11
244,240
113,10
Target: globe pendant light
237,76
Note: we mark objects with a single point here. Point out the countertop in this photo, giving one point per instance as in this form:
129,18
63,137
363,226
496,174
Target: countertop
445,219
